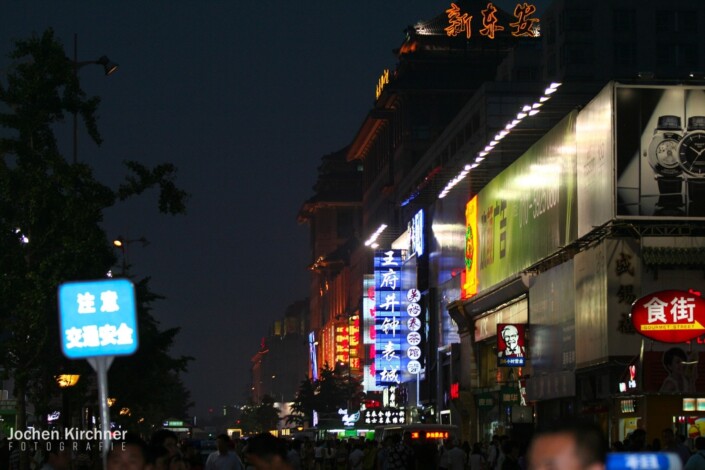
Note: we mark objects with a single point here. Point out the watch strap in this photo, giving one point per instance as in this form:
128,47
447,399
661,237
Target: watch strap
670,191
696,123
669,123
696,197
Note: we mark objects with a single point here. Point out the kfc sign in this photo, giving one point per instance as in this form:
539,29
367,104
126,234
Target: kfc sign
670,316
511,349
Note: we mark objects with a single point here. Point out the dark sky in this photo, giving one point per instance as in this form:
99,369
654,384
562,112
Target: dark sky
245,98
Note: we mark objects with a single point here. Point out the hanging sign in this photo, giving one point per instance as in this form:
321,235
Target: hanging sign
669,316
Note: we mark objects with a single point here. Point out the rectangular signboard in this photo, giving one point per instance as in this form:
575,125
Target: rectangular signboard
511,345
98,318
529,210
387,265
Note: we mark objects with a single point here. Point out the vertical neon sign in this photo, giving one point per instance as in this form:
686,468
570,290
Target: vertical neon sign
387,265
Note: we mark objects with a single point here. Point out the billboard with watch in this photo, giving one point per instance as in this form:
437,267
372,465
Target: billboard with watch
660,147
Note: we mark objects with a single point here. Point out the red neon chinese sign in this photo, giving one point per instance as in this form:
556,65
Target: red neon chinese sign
670,316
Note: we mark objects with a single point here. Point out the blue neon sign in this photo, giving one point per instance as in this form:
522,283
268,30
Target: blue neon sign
387,265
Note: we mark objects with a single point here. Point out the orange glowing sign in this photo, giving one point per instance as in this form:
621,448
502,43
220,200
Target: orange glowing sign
489,21
342,344
437,435
430,435
458,23
383,80
524,26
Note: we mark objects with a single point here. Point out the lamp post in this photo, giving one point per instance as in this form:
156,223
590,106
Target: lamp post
66,381
122,243
109,67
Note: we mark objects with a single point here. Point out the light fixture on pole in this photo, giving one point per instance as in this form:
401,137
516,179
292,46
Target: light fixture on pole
108,66
122,243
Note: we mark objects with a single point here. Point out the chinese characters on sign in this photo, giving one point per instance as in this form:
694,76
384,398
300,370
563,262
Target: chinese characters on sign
369,334
388,334
670,316
97,318
461,22
412,326
383,416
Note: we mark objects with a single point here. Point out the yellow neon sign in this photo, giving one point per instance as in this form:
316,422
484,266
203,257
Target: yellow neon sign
383,80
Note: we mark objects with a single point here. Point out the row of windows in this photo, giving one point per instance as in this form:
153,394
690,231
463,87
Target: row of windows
625,55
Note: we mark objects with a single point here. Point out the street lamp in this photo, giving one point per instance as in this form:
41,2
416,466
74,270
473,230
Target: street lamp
122,243
109,66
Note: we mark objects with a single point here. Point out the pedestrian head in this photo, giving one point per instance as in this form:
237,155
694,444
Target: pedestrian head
568,446
266,452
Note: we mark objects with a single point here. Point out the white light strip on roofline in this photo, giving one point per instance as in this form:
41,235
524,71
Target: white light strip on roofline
373,238
526,110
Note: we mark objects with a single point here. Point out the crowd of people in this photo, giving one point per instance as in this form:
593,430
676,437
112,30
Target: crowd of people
571,446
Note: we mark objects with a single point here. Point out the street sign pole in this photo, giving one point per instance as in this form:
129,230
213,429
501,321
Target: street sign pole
98,321
101,364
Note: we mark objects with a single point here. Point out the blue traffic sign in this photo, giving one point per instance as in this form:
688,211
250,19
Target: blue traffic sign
98,318
643,461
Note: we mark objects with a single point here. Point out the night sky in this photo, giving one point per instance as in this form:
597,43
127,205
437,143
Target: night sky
245,98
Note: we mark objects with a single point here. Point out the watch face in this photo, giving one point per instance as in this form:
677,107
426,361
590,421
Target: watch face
691,153
667,153
663,154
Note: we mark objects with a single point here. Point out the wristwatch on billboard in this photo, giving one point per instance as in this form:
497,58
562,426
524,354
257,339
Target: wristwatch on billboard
663,158
691,157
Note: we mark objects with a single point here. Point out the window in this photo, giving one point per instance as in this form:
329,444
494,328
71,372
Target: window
625,54
677,21
579,54
579,21
624,21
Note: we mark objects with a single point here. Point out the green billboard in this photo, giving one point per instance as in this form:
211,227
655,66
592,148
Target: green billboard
529,211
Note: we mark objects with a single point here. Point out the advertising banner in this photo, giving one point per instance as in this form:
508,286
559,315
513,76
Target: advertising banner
552,306
675,370
529,211
471,252
660,142
591,341
595,153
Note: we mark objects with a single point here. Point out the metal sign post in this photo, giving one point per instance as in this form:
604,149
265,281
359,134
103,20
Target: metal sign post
98,320
101,364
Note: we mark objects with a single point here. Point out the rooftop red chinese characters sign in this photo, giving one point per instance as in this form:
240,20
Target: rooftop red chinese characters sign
670,316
